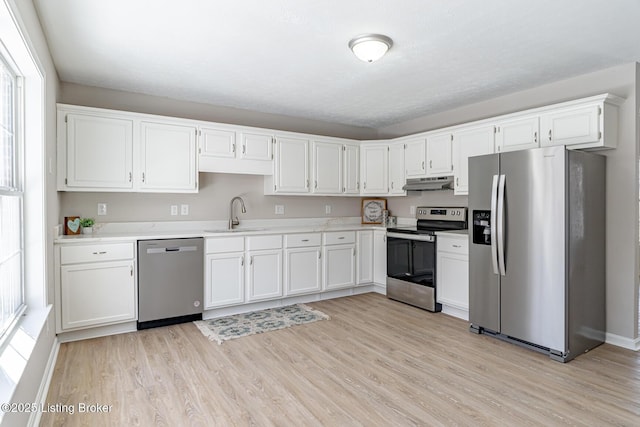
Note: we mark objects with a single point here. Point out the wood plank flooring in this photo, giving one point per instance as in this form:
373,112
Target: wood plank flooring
377,362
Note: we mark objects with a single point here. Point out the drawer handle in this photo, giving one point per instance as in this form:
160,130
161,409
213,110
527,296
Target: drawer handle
341,238
305,240
100,253
457,246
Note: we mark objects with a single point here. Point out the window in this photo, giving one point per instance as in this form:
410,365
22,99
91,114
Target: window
11,199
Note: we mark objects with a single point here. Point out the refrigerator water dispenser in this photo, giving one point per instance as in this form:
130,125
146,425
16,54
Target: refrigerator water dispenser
482,227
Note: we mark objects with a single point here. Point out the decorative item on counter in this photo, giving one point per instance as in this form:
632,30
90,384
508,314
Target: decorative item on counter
372,210
87,225
71,225
385,217
392,221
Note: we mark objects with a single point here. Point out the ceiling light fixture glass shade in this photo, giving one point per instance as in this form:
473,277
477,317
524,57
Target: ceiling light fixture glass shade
370,47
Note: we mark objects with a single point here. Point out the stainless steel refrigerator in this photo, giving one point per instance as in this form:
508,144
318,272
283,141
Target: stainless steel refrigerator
537,249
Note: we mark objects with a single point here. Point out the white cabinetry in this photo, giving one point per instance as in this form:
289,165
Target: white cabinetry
291,169
364,265
96,285
380,257
265,267
374,169
106,150
397,178
453,274
303,263
224,272
228,149
439,154
351,169
339,255
467,143
517,134
167,157
415,158
327,167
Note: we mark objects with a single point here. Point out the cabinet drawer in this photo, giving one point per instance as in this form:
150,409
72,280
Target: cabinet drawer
453,245
258,243
224,244
339,237
302,240
73,254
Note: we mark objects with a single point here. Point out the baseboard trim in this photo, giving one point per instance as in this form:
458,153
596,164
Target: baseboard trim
624,342
43,390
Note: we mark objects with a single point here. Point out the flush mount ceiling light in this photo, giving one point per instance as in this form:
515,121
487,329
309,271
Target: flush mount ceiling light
370,47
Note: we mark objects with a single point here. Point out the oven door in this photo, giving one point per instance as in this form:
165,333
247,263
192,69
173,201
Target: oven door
412,258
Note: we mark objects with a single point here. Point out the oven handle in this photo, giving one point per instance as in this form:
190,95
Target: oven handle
419,237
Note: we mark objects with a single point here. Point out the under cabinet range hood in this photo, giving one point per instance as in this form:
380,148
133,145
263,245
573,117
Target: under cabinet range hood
429,184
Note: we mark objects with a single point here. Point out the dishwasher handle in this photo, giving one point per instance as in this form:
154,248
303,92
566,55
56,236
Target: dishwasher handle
172,249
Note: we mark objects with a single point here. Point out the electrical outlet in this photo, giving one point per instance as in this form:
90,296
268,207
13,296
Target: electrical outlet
327,209
174,210
184,209
102,208
279,209
412,210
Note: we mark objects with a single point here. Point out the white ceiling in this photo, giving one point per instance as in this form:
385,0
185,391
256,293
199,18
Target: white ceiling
291,57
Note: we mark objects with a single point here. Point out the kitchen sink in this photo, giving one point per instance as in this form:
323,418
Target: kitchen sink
235,230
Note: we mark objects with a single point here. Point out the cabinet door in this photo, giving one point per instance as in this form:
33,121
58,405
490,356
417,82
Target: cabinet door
217,143
571,126
224,282
415,158
380,257
303,271
327,167
375,169
339,267
351,169
256,146
168,157
468,143
439,153
453,280
292,165
396,169
364,266
265,275
99,152
96,294
520,134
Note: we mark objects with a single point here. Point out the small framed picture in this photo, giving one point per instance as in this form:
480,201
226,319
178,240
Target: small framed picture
372,210
71,225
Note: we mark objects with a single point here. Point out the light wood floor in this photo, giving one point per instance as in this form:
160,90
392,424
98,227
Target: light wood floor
377,362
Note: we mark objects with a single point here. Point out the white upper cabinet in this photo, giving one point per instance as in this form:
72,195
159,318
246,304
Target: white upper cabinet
168,157
106,150
467,143
229,149
415,158
256,146
99,152
351,169
439,154
291,173
397,178
517,134
374,169
327,167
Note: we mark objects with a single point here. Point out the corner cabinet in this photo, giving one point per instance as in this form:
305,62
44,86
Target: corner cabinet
106,150
374,169
95,285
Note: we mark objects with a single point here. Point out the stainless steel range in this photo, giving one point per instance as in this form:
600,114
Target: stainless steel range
411,256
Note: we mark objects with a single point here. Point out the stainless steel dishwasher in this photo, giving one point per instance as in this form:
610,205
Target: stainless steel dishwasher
170,281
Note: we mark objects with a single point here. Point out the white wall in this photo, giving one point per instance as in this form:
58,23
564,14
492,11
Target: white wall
622,174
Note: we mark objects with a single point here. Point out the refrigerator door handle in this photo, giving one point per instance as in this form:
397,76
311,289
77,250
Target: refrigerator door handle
494,209
500,225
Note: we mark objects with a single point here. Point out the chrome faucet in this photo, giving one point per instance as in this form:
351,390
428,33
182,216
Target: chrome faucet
235,221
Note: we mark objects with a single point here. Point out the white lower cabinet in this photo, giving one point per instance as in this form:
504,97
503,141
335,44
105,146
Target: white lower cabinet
224,279
380,257
303,263
265,275
452,274
339,254
96,285
364,265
